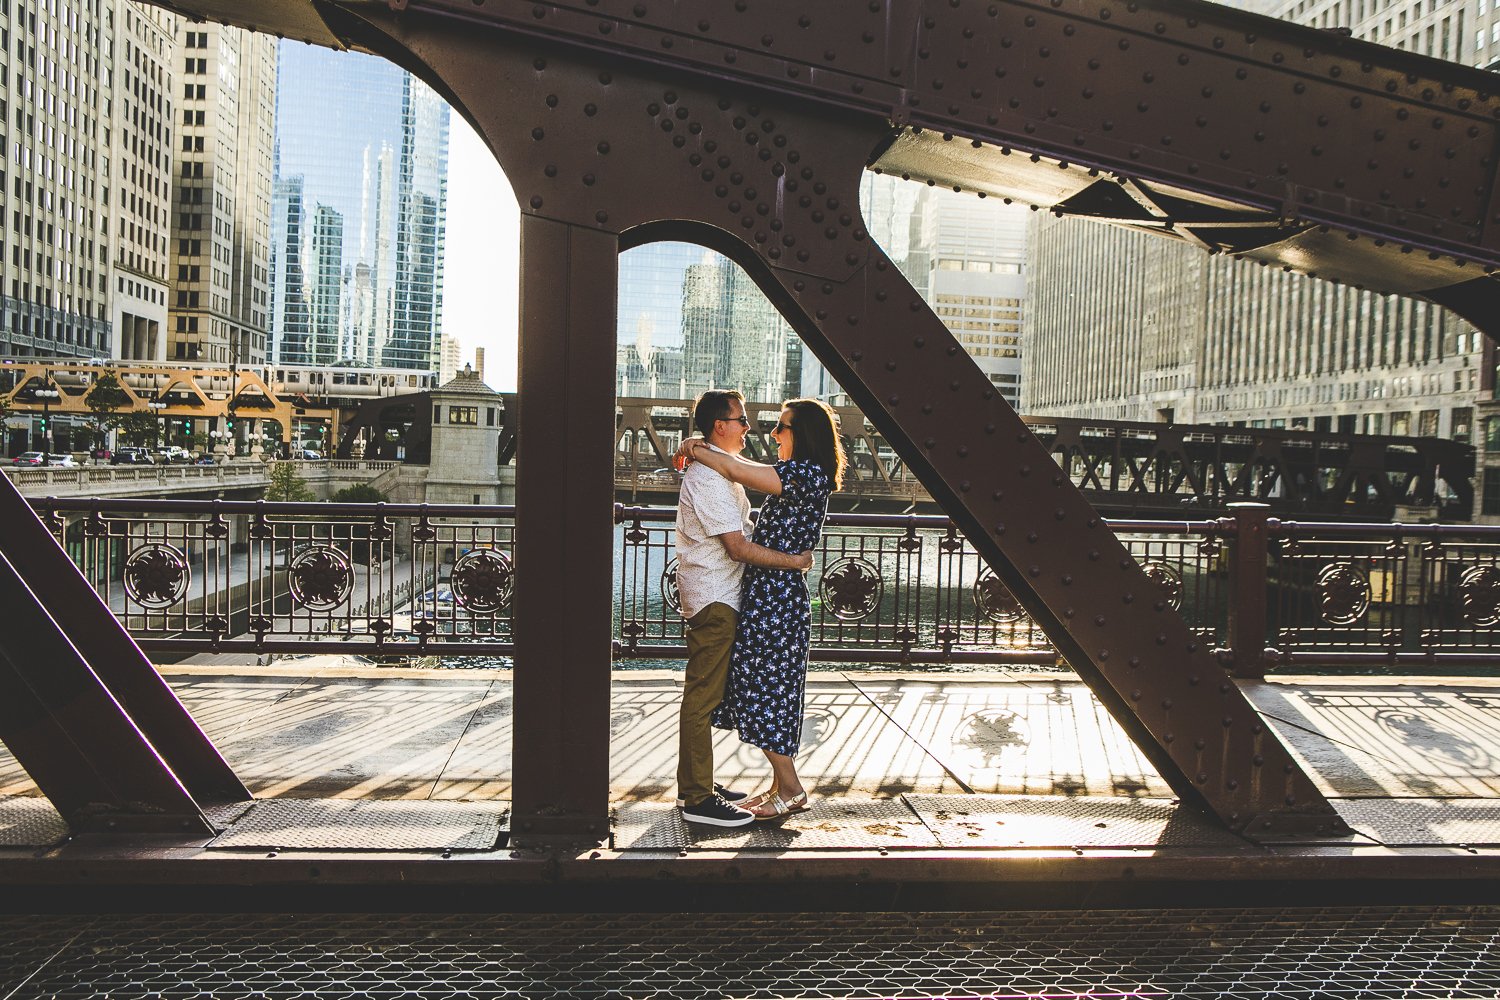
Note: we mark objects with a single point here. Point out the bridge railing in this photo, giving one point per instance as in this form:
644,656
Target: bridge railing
420,580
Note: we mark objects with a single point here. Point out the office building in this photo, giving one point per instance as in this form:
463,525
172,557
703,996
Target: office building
222,196
1133,327
690,320
84,176
140,172
360,203
965,256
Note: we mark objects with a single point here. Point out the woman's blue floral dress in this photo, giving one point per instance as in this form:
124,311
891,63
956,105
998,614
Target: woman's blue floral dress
768,664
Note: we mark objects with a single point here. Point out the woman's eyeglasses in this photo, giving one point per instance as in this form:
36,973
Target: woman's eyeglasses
743,421
780,426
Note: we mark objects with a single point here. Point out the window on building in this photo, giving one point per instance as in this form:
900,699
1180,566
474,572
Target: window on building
1463,422
1490,503
464,415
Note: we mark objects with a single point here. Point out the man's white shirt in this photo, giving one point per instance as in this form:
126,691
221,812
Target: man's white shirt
709,505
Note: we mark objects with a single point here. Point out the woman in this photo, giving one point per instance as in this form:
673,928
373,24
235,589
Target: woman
768,664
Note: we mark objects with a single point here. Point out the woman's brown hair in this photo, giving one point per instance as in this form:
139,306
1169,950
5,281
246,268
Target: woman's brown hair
815,437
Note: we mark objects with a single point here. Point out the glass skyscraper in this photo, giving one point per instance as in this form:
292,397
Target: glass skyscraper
358,212
690,320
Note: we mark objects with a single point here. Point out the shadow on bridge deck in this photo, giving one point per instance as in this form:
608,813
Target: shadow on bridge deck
935,783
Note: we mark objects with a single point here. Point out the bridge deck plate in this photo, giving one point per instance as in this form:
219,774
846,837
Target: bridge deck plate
1424,822
829,825
29,821
1058,821
365,825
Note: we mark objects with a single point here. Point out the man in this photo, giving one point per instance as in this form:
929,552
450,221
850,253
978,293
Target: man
713,547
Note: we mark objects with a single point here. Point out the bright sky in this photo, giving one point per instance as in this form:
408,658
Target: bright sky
480,269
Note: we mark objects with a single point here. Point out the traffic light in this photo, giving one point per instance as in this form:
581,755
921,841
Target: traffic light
231,423
44,425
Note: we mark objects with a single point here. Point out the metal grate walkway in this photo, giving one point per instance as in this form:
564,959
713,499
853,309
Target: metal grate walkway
1342,953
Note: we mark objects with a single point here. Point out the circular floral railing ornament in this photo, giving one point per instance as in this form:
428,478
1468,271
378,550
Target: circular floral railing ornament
321,578
482,580
156,575
1479,595
1168,579
669,588
1344,593
995,601
851,589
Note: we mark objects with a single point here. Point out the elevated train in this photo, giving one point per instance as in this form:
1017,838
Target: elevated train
316,382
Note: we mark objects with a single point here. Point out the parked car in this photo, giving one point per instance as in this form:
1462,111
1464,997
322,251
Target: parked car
171,455
206,460
308,455
131,456
36,458
101,453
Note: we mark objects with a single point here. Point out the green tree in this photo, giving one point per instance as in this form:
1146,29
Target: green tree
105,399
141,428
287,486
363,493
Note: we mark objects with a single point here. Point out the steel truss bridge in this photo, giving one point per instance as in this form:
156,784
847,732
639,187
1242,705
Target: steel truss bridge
746,128
1122,467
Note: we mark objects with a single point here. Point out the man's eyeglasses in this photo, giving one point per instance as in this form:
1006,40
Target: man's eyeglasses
780,427
743,421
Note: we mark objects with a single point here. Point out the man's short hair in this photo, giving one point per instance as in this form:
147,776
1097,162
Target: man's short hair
714,405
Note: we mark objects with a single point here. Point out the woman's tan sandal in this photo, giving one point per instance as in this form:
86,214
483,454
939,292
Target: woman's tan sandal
780,808
758,799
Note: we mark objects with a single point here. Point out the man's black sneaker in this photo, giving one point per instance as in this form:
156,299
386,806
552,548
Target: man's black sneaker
714,811
727,794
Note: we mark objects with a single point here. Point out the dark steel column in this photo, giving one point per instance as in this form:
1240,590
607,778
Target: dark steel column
112,654
71,736
564,532
1249,551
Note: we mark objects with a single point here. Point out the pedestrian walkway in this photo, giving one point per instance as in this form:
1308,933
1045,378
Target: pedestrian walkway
920,760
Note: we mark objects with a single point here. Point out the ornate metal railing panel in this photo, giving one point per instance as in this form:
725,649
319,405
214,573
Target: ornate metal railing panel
186,575
1384,594
408,580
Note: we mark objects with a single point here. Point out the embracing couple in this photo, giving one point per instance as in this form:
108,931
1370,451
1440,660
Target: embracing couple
745,598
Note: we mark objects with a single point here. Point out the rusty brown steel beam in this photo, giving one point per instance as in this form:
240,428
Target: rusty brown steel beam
593,145
1238,133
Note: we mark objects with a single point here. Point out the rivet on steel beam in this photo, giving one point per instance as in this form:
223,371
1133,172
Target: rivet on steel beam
1000,528
1032,536
1133,662
857,356
1135,696
1035,571
601,217
1257,760
536,202
1199,744
929,444
1093,555
1161,638
997,496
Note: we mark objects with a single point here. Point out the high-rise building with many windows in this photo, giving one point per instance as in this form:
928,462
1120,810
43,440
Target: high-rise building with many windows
690,320
140,172
965,257
222,195
1128,326
83,174
359,212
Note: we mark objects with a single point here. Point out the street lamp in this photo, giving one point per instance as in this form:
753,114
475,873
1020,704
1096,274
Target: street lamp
221,438
46,394
156,406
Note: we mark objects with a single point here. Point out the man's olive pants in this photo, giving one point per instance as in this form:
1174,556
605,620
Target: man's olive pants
710,634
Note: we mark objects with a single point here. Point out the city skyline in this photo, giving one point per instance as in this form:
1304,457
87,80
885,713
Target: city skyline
358,216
